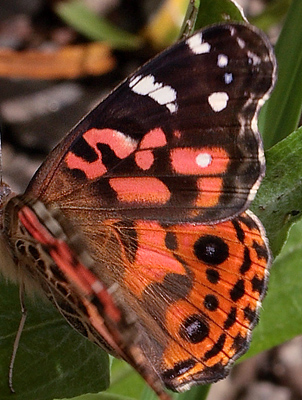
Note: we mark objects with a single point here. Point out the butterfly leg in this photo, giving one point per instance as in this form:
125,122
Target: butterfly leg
17,338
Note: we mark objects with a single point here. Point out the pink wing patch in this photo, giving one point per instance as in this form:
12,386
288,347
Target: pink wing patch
122,145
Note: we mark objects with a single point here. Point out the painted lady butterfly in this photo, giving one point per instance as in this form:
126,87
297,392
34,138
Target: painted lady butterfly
167,269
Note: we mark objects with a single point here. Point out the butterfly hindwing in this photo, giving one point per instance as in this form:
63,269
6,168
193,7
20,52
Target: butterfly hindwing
196,288
202,286
56,257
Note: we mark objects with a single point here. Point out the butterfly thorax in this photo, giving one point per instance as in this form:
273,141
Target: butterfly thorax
7,266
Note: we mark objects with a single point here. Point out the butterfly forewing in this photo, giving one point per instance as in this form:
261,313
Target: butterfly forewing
150,145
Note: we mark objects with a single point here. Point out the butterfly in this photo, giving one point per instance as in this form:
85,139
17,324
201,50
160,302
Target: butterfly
136,225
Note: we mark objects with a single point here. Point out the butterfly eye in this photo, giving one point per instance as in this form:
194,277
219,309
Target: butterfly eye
212,250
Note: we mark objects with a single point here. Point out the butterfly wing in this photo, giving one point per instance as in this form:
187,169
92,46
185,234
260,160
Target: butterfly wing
179,137
56,259
174,147
188,299
197,290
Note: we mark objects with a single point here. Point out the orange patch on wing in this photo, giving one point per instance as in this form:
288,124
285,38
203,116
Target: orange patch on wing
176,316
144,159
175,354
213,320
121,144
92,170
154,138
140,190
153,260
210,190
205,161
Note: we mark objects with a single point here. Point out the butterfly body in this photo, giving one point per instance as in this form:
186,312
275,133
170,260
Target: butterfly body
168,271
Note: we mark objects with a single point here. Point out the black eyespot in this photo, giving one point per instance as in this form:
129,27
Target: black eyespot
194,329
211,302
212,275
212,250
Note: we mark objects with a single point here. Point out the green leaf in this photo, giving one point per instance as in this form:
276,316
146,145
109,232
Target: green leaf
101,396
281,315
280,115
148,394
196,393
53,361
214,11
125,381
273,13
77,15
279,199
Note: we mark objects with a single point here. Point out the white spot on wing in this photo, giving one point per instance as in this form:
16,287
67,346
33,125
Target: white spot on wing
171,107
197,45
222,60
228,78
218,101
256,60
134,80
128,141
144,85
241,43
164,95
203,160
